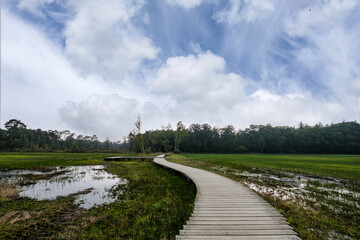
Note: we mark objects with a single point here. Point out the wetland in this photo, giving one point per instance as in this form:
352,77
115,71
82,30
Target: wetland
90,185
116,200
316,205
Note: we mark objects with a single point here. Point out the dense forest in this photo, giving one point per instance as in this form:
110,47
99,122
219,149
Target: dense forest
339,138
16,137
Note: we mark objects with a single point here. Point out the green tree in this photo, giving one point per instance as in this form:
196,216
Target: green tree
16,138
228,137
180,130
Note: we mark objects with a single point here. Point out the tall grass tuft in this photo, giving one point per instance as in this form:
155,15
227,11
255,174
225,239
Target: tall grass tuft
8,190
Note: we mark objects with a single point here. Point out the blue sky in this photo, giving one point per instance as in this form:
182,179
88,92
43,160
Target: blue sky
93,66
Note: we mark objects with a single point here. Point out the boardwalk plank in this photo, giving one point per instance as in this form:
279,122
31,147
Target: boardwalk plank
239,222
236,227
241,232
274,237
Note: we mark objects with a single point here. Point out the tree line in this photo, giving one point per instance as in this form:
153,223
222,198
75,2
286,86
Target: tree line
16,137
339,138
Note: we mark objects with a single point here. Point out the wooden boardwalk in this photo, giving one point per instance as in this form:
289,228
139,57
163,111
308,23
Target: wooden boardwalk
122,158
225,209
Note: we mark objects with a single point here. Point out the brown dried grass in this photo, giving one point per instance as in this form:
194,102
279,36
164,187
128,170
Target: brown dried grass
72,231
8,190
14,216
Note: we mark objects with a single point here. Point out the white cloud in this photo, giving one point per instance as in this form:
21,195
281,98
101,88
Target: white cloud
331,51
244,11
35,77
320,17
102,39
186,3
108,115
37,80
289,110
192,76
199,90
152,116
252,36
355,86
323,44
196,87
264,96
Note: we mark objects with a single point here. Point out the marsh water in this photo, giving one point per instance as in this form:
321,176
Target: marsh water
90,185
336,194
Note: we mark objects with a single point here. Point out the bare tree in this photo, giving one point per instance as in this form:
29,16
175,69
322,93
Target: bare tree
138,136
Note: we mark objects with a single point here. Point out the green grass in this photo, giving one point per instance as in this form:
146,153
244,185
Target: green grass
153,205
157,204
316,212
39,160
339,166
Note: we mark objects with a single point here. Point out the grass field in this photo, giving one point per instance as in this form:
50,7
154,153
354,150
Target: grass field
319,195
156,202
153,205
339,166
46,159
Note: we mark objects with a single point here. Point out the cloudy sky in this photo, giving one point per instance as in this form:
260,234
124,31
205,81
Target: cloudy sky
93,66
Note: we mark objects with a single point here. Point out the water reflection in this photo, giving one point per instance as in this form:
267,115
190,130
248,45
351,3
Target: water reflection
90,185
15,176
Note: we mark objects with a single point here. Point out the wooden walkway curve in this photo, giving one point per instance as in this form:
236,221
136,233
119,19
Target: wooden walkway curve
226,209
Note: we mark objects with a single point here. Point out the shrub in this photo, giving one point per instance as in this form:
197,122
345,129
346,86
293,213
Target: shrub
148,150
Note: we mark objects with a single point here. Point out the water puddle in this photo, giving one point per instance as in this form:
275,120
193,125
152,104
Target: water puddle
90,185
